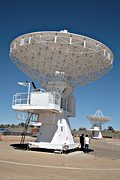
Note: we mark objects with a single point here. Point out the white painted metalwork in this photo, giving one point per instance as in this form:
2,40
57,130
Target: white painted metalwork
58,61
41,54
37,101
27,84
97,120
21,98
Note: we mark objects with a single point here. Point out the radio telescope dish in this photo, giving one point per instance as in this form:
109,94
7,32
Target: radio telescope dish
59,61
48,56
98,117
97,120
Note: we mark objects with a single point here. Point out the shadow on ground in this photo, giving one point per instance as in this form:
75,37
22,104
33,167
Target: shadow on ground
90,150
25,147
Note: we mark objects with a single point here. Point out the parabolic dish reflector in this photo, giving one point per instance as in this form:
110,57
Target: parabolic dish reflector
98,117
48,56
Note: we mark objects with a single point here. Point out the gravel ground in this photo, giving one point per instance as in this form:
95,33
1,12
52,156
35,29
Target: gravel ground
102,163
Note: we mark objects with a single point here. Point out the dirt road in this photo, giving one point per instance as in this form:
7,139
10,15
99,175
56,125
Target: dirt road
102,163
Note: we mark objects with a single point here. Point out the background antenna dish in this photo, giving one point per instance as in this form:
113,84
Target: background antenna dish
98,117
97,120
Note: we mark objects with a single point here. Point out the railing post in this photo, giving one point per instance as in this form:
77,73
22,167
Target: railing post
28,95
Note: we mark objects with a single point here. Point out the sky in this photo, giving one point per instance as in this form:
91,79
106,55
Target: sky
98,19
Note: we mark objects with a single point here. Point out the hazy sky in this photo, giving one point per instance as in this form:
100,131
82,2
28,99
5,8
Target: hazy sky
98,19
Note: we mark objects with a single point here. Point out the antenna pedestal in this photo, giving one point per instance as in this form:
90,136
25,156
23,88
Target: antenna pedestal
55,133
53,110
96,133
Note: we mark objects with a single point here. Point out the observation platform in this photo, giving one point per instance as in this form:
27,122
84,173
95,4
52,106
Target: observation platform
36,101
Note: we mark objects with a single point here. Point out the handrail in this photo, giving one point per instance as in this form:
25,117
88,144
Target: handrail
21,98
25,98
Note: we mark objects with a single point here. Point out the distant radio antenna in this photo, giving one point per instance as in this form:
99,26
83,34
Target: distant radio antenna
97,120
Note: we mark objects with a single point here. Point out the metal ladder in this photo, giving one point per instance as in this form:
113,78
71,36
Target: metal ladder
26,128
